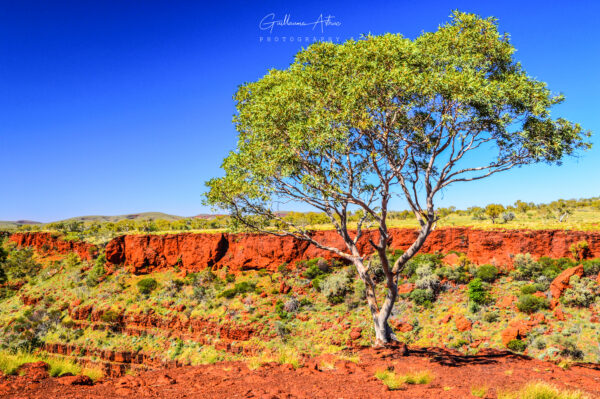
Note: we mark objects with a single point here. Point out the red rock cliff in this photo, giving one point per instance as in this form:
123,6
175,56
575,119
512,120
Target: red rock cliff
193,252
50,243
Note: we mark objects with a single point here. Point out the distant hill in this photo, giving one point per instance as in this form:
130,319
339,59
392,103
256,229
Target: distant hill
16,223
132,216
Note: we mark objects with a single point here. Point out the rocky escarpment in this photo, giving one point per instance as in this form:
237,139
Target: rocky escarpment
193,252
53,243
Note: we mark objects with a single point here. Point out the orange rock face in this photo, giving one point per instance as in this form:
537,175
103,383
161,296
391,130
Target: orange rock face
46,242
561,282
194,252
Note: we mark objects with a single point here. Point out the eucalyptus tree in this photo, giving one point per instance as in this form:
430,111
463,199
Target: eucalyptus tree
348,126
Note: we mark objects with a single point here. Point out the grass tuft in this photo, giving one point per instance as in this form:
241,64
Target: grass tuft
542,390
479,391
393,381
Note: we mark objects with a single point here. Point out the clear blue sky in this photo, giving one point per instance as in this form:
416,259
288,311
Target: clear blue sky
113,107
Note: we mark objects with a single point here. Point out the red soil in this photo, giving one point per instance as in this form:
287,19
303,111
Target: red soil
453,377
193,252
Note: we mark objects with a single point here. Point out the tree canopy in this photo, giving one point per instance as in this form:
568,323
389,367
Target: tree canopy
347,126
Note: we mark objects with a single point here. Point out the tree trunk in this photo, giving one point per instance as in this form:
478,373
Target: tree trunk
383,331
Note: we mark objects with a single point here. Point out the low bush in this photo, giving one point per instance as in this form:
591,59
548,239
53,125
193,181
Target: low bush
335,287
478,292
291,305
533,288
110,316
21,264
422,297
239,288
315,268
581,293
427,280
591,267
94,275
491,317
457,274
530,303
146,285
516,345
487,273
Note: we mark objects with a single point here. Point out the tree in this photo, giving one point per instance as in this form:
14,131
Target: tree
347,126
494,211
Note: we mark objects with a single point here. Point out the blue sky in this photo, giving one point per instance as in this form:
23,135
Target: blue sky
113,107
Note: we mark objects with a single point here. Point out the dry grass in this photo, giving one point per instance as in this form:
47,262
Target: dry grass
542,390
393,381
479,391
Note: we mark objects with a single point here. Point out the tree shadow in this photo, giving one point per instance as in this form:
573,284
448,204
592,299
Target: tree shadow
452,358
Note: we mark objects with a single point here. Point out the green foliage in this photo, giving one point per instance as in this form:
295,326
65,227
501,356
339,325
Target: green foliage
94,275
491,317
580,250
110,316
239,288
147,285
487,273
582,292
591,267
532,288
335,287
21,264
530,303
3,257
516,345
457,274
315,267
28,331
478,292
422,297
493,211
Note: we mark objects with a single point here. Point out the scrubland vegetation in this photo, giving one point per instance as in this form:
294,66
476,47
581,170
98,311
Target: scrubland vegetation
312,308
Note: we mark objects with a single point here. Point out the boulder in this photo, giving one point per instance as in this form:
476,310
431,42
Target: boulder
462,323
356,333
561,282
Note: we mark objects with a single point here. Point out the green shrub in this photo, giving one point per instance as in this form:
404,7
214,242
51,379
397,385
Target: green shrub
508,216
93,277
526,268
335,287
491,317
529,289
516,345
478,292
230,278
315,268
591,267
147,285
426,279
20,264
530,303
581,293
422,297
110,316
487,273
456,274
239,288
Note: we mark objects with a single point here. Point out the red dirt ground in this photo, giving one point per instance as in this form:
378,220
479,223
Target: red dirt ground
454,377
